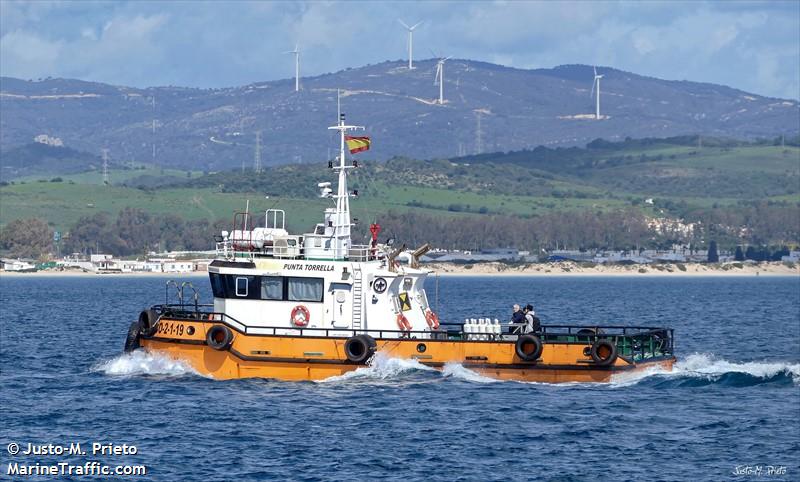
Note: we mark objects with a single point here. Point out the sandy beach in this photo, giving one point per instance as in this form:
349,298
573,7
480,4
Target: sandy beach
590,269
534,269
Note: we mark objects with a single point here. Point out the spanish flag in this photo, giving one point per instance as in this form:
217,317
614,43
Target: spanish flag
357,144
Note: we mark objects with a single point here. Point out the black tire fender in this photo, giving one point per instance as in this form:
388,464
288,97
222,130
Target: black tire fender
523,350
219,337
147,322
360,348
604,352
132,339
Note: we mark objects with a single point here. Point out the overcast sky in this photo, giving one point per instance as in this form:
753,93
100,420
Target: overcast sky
754,46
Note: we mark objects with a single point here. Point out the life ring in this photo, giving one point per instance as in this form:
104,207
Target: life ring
529,347
132,340
147,322
604,352
432,319
219,337
359,348
403,323
300,316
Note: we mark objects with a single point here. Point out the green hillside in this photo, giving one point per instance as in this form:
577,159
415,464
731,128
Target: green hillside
603,176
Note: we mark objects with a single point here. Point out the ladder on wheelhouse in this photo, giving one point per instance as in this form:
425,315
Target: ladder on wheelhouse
358,304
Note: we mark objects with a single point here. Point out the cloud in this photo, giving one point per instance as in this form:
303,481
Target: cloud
28,55
752,46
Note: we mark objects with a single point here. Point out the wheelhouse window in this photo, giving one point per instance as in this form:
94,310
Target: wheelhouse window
241,286
305,289
271,288
277,288
217,285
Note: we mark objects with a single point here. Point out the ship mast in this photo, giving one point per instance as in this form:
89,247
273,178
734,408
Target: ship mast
341,222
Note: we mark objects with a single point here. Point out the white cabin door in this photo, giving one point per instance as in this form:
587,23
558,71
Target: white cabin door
340,305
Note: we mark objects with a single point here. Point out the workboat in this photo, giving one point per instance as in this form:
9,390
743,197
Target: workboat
315,305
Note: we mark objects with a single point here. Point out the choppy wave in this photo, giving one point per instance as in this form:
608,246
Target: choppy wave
704,369
140,362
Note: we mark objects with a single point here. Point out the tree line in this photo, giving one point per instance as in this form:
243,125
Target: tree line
765,229
132,232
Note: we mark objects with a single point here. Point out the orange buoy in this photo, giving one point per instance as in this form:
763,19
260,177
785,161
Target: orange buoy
403,322
432,319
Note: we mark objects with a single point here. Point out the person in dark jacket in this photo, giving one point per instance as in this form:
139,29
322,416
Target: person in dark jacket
517,318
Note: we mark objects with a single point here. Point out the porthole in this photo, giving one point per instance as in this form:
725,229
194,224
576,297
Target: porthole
421,347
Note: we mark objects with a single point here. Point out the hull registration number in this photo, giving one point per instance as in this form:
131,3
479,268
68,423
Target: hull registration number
170,328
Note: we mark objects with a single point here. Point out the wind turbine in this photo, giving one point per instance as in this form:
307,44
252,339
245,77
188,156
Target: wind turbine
296,53
596,82
440,76
410,41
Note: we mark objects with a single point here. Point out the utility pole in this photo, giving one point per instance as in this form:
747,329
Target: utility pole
105,167
478,135
257,156
153,136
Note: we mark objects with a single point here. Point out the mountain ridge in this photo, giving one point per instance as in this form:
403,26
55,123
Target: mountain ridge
212,129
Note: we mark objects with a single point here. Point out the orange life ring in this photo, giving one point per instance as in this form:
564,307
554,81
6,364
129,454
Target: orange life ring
432,319
300,316
403,323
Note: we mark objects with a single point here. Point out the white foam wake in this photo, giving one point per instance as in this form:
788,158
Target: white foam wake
709,367
140,362
456,370
704,364
381,367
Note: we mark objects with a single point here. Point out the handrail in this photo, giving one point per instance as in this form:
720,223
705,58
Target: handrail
228,249
196,295
177,291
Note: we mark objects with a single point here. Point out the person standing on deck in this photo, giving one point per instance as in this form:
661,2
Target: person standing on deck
517,318
532,322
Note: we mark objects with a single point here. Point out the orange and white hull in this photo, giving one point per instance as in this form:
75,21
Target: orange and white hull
294,357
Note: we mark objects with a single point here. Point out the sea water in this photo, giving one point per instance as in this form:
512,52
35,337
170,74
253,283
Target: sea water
730,409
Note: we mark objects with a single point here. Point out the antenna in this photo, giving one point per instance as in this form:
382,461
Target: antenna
257,157
296,53
341,221
410,42
596,81
105,167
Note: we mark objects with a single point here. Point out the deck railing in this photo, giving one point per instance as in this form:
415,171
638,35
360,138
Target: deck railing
228,249
633,342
